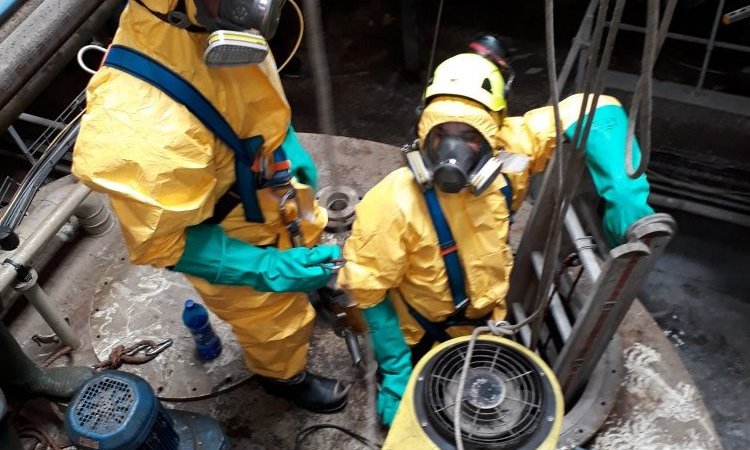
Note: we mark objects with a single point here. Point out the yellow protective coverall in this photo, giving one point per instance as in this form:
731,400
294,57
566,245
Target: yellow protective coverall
398,253
164,171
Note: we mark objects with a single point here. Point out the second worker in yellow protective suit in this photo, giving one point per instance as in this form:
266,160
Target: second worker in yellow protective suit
438,263
188,130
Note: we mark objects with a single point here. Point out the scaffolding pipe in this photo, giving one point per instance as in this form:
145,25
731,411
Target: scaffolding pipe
691,39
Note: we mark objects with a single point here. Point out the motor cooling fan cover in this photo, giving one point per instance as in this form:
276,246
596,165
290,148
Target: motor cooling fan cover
511,399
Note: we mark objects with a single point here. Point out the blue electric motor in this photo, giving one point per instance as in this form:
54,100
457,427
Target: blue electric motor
119,411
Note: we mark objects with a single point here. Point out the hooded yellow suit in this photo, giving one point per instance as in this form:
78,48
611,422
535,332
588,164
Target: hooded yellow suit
164,171
398,252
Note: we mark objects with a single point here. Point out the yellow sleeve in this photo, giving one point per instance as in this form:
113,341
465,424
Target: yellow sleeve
376,251
154,160
532,135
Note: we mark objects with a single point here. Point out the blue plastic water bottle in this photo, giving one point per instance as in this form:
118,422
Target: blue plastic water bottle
207,343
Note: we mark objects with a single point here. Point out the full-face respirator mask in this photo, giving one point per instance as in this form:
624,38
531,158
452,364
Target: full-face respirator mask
240,30
452,164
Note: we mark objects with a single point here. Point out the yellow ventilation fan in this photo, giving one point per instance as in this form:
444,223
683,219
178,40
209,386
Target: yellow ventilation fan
511,400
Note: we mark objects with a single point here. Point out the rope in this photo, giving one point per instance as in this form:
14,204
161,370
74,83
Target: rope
322,81
65,350
120,355
643,87
552,242
434,43
593,83
302,435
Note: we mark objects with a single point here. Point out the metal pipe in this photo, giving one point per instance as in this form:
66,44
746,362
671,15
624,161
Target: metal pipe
41,121
556,308
94,216
37,38
21,144
49,312
692,39
16,100
42,234
710,46
19,15
736,15
583,244
520,316
699,209
579,44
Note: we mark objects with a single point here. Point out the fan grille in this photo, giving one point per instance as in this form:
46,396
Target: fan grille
503,401
104,405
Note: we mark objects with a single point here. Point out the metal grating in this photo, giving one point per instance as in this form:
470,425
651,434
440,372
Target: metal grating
503,398
104,406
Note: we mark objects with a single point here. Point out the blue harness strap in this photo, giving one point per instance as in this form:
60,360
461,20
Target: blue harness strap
448,249
507,192
456,282
147,69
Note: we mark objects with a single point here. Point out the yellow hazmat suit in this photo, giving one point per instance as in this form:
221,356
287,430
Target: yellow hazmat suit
164,171
398,252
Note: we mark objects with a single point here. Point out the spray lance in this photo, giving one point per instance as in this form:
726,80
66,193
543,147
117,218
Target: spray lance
331,303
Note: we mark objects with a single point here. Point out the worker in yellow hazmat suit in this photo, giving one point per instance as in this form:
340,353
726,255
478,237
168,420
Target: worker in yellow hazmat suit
188,130
438,264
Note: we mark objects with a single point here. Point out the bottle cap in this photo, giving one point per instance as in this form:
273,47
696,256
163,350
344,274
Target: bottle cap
189,303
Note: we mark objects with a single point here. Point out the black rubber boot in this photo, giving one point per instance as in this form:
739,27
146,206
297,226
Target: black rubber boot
21,378
308,391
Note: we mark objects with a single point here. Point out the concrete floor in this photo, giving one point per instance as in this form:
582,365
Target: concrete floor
700,296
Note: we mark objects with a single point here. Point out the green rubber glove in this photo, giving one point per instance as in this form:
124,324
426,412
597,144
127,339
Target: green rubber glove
626,200
212,255
393,356
303,166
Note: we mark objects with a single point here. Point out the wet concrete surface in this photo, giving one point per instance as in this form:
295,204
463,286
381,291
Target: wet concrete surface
699,294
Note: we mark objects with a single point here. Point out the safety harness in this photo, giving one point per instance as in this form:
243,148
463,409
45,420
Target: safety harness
247,164
436,331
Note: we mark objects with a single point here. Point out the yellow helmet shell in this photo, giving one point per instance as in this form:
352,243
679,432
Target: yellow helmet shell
471,76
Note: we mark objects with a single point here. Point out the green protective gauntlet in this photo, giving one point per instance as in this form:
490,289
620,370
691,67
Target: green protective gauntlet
302,164
212,255
626,199
393,356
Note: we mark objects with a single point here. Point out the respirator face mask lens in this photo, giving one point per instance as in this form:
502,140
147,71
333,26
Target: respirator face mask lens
452,159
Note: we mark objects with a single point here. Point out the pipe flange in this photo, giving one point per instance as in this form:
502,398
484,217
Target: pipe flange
339,201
